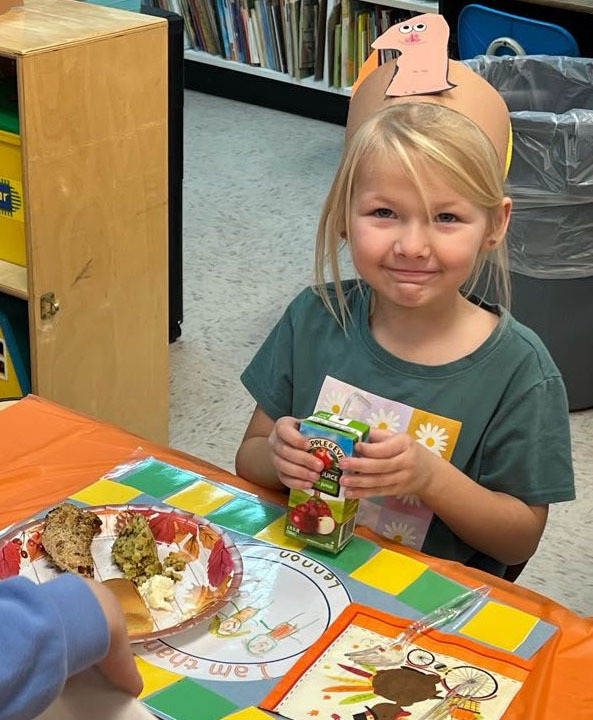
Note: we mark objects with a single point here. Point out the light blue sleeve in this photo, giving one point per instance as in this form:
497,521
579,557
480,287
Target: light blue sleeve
47,633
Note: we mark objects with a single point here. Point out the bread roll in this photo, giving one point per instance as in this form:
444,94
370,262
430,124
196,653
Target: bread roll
138,618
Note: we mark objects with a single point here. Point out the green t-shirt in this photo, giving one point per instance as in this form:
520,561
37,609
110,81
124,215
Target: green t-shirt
508,395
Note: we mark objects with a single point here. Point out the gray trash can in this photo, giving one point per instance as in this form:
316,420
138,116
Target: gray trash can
550,237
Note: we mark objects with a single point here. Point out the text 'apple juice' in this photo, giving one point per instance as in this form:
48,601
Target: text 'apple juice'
322,516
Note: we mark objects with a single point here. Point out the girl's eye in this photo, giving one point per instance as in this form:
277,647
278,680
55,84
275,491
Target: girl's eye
383,213
446,218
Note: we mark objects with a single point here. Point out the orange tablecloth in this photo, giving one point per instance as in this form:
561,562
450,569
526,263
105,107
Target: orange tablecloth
48,453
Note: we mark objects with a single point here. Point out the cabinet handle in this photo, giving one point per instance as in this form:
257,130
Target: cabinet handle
49,305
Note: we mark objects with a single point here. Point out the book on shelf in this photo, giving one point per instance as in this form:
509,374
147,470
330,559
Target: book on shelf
320,39
347,45
293,29
261,13
240,31
279,34
307,32
205,20
332,21
253,38
275,48
286,34
224,35
338,55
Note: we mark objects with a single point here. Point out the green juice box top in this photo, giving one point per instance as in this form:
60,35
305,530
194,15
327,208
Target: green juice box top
322,516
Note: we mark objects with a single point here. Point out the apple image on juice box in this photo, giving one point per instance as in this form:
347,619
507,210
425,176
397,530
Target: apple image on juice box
322,516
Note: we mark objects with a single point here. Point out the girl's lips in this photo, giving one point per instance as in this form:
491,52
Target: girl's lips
412,275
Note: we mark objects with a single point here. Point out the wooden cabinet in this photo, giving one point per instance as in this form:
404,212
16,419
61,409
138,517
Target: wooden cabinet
92,98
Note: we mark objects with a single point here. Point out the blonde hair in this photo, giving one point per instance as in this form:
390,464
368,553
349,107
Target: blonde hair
413,135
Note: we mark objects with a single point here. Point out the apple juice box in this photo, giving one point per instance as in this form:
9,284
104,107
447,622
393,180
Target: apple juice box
322,516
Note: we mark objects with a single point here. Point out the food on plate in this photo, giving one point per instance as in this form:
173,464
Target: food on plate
175,561
135,552
138,619
67,538
173,565
158,592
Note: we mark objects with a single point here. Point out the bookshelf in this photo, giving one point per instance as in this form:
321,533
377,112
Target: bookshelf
255,83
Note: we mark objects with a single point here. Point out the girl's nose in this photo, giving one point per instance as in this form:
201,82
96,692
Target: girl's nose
412,242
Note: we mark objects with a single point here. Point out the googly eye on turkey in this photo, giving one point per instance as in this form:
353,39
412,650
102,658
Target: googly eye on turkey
420,27
405,29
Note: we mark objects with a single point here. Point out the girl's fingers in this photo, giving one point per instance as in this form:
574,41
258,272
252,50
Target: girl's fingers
287,429
383,444
376,435
298,457
294,470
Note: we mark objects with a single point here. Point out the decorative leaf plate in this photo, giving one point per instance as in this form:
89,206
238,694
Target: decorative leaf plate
212,576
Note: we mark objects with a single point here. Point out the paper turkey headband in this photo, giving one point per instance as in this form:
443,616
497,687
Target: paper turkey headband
422,72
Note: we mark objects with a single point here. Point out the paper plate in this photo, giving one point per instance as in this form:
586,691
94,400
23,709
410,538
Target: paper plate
212,576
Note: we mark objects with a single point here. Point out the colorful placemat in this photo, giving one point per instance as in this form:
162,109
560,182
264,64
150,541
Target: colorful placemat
229,665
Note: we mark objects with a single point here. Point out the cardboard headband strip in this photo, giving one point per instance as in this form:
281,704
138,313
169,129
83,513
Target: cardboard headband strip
422,72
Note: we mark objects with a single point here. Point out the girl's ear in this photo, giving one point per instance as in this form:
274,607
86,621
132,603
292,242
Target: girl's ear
494,239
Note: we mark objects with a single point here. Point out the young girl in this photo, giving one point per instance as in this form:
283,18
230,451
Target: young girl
419,201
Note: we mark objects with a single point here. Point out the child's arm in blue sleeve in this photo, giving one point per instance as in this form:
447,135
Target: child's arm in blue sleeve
47,633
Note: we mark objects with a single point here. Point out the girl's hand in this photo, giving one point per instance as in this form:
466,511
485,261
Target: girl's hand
390,464
296,468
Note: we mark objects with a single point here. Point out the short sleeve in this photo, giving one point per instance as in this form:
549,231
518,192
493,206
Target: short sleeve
269,376
527,451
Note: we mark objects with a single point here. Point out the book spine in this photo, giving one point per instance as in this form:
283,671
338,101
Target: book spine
264,56
270,19
253,39
244,13
237,31
231,33
338,56
278,35
345,43
268,35
285,11
307,38
201,15
195,22
294,25
223,29
320,39
214,26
